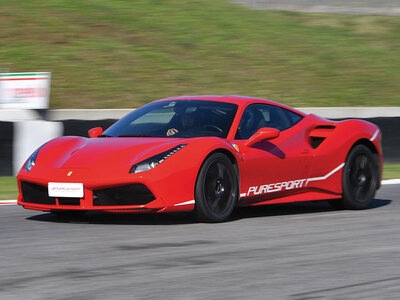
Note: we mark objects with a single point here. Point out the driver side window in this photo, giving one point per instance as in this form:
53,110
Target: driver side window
257,116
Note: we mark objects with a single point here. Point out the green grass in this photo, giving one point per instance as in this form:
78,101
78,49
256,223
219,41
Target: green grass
122,53
391,171
9,190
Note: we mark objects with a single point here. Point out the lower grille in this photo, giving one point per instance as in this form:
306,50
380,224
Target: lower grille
34,193
69,201
134,194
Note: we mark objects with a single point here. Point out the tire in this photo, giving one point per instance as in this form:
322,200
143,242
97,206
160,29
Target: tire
217,189
360,178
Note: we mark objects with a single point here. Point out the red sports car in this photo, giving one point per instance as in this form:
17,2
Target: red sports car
206,154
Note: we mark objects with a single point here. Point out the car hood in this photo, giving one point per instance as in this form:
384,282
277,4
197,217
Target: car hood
110,152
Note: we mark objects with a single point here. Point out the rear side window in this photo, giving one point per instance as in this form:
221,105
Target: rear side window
293,117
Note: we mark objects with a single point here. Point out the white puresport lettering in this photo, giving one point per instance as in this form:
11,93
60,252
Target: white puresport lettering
275,187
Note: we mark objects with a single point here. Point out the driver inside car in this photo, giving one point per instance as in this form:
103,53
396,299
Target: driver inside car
184,121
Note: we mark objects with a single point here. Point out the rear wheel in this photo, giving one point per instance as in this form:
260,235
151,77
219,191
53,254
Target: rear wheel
360,178
216,192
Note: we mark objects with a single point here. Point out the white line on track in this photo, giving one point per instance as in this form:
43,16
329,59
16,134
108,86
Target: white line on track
8,202
390,181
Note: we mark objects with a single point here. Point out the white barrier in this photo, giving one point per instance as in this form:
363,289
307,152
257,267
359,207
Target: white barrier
101,114
30,135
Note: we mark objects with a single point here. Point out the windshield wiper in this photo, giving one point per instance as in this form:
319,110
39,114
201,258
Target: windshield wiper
104,135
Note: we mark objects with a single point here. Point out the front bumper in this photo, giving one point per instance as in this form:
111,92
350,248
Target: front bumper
150,191
124,198
169,187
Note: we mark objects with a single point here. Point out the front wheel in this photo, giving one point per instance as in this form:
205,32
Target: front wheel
217,189
360,178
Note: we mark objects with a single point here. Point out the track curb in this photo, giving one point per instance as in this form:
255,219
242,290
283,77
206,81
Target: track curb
390,181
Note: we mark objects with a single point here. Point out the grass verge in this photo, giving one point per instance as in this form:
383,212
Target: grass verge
9,190
120,54
391,171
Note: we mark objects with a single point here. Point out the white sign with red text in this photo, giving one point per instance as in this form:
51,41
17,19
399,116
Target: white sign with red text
69,190
25,90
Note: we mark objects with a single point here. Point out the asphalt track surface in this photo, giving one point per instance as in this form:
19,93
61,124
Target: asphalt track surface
293,251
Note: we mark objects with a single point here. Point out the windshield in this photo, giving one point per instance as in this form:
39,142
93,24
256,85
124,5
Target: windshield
183,118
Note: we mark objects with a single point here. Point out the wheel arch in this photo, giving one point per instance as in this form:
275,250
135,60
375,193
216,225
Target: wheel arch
366,143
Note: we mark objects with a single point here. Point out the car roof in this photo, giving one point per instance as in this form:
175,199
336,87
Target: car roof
235,99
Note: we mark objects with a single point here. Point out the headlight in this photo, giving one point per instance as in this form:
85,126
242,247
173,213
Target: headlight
30,163
155,160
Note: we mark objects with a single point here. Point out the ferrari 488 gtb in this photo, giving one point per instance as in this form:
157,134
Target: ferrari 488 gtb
206,154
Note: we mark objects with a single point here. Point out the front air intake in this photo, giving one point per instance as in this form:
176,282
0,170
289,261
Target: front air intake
34,193
133,194
69,201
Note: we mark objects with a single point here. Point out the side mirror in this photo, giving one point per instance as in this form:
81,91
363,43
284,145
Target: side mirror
95,132
262,134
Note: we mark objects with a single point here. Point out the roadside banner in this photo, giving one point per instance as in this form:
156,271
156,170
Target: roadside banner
25,90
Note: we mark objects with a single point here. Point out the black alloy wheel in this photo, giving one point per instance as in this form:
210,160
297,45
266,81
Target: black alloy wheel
360,178
217,189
